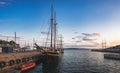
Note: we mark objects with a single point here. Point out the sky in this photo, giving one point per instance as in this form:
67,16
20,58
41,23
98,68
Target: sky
82,23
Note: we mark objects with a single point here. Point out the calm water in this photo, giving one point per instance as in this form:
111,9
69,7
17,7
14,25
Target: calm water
79,61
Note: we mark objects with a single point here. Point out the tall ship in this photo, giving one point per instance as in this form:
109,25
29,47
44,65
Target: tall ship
54,50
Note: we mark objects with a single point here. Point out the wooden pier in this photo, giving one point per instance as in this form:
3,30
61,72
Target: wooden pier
15,60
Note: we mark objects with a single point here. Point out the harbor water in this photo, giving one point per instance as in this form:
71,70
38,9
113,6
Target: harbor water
79,61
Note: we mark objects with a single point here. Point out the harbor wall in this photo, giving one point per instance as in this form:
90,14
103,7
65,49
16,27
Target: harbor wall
15,60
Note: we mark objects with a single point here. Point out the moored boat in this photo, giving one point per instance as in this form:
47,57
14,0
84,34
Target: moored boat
28,66
53,51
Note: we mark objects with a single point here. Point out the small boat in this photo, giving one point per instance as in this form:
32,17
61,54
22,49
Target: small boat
28,66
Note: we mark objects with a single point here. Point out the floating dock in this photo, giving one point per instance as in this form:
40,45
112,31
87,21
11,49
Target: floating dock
112,56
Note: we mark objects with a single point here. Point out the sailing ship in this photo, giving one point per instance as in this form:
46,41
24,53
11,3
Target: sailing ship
61,45
53,50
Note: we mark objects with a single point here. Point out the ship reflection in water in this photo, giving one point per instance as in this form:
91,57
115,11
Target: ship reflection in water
52,67
79,61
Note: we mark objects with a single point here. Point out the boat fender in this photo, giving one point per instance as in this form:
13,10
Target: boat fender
33,57
28,59
23,59
2,64
18,61
11,62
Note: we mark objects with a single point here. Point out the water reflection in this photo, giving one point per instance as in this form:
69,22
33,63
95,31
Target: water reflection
78,61
51,65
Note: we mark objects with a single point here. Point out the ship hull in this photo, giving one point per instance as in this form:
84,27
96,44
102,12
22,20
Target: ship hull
52,57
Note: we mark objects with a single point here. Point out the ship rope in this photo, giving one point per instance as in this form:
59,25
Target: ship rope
47,37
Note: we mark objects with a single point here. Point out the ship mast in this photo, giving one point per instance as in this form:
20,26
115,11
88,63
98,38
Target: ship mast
52,22
61,42
103,44
55,30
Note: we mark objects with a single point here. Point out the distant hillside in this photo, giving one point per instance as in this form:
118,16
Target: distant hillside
76,48
113,49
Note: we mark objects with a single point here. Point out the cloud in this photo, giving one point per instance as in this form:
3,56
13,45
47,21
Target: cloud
78,36
86,34
45,33
82,44
6,2
88,39
96,34
73,38
90,45
78,41
76,32
95,43
3,3
93,34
